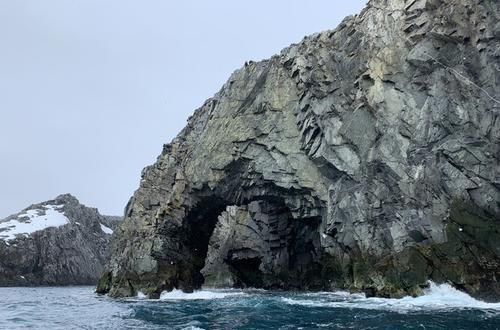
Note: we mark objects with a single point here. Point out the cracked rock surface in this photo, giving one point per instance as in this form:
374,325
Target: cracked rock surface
362,158
57,242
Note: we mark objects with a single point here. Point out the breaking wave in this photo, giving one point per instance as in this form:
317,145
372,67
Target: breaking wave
199,295
436,297
55,308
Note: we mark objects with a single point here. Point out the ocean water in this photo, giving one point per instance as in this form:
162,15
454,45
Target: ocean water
80,308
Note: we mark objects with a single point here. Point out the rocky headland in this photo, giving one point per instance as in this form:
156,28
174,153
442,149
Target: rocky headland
364,158
57,242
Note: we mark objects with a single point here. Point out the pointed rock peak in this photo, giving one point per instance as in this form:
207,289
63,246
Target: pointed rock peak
67,199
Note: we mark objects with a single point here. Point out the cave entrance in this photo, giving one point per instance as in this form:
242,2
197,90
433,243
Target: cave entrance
200,224
258,245
247,272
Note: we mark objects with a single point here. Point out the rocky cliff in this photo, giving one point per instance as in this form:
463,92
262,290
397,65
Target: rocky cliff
364,158
58,242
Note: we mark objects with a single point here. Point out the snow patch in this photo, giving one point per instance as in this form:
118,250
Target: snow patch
32,221
106,230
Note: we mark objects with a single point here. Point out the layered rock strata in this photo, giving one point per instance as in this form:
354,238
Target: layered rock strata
363,158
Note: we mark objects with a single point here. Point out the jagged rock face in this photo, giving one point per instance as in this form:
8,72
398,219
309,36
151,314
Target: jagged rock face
58,242
364,158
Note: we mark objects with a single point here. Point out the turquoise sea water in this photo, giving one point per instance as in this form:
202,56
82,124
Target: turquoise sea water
80,308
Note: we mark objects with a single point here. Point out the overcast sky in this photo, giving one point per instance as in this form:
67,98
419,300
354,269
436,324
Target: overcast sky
91,89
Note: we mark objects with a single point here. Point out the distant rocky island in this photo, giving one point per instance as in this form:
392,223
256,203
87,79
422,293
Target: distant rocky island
57,242
364,158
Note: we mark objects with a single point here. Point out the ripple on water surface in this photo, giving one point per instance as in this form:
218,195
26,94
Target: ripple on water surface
442,307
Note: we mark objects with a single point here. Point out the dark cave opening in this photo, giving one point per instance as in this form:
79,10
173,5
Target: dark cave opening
247,272
200,226
284,252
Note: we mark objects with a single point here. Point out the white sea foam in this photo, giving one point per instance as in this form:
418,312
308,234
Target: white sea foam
199,295
336,294
442,296
192,327
32,221
106,230
141,295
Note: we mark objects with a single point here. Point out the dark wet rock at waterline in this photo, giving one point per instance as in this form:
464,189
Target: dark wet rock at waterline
57,242
364,158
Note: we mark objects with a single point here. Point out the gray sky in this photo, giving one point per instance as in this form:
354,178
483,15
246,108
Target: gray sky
91,89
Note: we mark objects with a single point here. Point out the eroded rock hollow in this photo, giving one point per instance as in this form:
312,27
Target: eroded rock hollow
363,158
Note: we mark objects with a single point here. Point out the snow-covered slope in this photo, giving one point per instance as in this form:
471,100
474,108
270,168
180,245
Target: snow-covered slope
33,220
57,242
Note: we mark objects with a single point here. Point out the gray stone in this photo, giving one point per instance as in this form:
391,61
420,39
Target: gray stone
74,253
372,140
